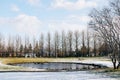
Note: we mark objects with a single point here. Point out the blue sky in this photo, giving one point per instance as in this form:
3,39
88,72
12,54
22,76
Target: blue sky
33,17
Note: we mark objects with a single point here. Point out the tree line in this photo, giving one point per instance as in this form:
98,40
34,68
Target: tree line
106,22
63,44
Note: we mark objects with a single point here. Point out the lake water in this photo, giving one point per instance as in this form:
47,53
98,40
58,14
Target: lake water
57,66
76,75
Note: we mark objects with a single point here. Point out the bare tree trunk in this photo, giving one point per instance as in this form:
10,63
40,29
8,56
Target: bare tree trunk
76,34
118,57
88,43
95,54
62,42
114,62
70,38
41,45
49,44
17,45
83,48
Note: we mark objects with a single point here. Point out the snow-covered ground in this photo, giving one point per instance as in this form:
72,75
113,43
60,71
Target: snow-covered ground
105,63
1,64
4,67
102,61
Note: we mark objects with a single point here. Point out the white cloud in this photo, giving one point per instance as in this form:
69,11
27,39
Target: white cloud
23,23
69,5
34,2
76,18
72,22
15,8
66,27
31,25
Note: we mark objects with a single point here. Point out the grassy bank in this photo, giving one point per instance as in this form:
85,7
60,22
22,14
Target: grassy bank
111,70
25,60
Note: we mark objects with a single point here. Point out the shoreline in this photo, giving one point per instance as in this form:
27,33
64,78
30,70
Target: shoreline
10,68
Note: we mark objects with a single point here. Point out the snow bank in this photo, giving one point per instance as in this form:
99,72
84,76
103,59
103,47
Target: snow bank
105,63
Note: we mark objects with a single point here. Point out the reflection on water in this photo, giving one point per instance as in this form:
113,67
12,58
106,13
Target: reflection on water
58,66
79,75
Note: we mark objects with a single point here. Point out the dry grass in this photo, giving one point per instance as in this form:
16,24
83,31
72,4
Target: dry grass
111,70
25,60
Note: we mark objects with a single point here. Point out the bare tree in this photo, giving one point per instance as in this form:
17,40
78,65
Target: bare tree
17,44
88,42
36,49
76,38
30,48
34,44
2,45
70,42
103,22
94,44
41,45
49,43
56,44
10,47
64,44
21,49
83,48
26,44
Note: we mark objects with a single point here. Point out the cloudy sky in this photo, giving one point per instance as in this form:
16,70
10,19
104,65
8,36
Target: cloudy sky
31,17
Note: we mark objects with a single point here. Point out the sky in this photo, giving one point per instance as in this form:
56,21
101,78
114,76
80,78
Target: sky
33,17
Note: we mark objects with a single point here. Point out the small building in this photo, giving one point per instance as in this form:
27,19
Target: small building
30,55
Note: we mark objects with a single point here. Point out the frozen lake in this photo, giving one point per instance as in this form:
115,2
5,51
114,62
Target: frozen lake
79,75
